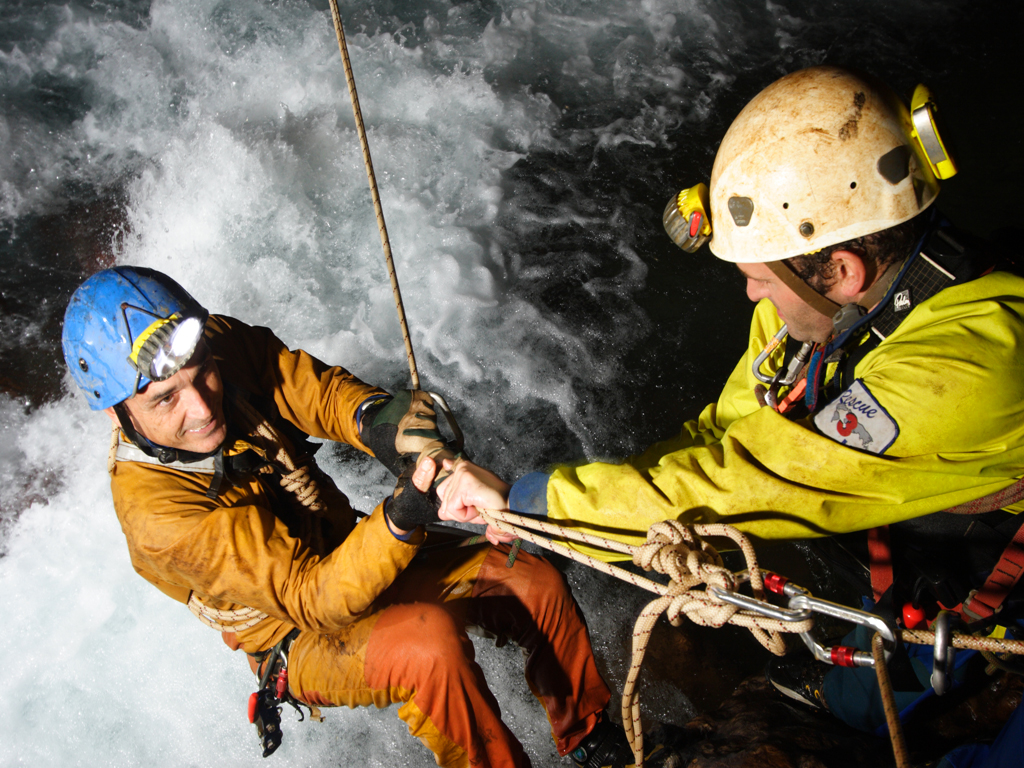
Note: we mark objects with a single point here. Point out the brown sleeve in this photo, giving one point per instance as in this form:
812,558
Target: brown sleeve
319,399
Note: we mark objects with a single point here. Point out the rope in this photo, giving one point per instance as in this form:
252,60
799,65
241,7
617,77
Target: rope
236,620
298,480
679,552
115,435
295,479
892,717
999,500
969,642
361,130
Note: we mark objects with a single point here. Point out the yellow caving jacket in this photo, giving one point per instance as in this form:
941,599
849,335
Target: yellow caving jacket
939,403
253,546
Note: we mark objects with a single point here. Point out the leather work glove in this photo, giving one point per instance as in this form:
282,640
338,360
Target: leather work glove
409,507
403,428
686,218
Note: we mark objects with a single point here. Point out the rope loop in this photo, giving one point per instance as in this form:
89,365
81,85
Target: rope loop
677,551
683,554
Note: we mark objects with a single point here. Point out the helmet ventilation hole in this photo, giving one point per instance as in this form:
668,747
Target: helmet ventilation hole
83,365
785,205
853,185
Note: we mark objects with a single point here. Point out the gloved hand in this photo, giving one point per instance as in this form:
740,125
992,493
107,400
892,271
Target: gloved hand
403,428
686,218
410,507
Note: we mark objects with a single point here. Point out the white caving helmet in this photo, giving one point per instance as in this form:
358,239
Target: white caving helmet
821,156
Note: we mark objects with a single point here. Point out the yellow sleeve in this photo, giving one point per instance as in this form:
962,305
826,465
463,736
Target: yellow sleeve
951,379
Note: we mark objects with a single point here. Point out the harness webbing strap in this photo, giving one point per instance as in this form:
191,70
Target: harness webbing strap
880,560
984,602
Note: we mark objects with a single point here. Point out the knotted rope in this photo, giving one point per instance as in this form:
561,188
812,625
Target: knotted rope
224,621
296,479
681,553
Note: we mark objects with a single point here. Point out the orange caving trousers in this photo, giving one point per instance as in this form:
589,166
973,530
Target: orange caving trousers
412,647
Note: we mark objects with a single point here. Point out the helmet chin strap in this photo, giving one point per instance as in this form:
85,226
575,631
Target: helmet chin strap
843,316
820,304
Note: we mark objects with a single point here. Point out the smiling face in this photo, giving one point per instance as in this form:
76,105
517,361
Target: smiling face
805,324
186,411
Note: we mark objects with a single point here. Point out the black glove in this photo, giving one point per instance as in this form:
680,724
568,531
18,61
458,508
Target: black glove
401,429
410,507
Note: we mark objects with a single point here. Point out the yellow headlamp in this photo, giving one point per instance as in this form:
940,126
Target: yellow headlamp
686,219
926,133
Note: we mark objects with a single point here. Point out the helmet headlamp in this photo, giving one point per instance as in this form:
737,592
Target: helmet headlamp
165,346
926,133
686,219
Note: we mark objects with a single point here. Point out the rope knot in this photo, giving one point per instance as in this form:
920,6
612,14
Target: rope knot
677,551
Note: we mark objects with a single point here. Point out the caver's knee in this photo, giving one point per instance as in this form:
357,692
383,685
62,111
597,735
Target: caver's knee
416,639
532,579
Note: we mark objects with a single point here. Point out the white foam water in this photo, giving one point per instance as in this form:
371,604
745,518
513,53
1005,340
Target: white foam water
218,138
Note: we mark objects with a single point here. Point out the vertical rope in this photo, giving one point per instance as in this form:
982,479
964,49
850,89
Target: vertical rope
892,718
361,130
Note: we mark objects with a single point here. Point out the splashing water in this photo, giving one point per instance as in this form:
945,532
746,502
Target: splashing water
524,152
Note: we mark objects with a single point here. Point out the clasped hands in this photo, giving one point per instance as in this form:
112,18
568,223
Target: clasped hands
467,489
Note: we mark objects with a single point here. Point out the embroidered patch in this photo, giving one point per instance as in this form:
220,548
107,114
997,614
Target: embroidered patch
856,419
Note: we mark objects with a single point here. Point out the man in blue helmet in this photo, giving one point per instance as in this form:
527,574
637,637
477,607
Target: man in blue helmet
225,510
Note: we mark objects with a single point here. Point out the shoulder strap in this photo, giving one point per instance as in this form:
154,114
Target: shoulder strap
983,603
126,451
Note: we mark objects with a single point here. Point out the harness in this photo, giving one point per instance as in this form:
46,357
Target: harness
265,704
237,464
994,540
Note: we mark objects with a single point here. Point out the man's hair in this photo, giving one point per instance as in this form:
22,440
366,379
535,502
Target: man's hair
879,249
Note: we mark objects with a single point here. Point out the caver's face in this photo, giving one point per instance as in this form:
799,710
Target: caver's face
804,323
186,411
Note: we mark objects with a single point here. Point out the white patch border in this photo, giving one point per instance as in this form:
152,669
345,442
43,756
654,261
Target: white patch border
831,433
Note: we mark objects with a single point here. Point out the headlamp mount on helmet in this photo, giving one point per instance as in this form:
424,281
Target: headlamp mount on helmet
165,346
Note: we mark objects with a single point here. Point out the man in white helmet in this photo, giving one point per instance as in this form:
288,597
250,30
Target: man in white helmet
897,394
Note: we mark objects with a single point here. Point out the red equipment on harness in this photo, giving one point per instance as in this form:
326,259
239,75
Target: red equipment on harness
980,604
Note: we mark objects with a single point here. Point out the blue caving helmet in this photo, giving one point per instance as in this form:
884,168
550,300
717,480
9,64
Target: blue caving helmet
125,327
